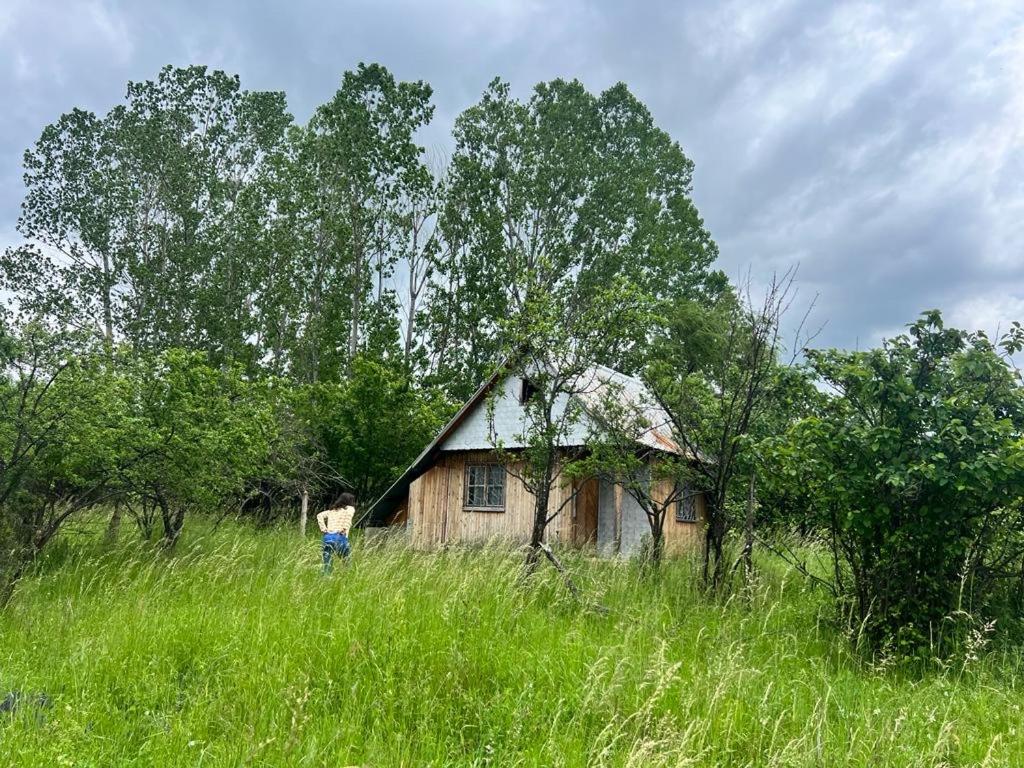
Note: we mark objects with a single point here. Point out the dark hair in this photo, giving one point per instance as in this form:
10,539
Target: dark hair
345,500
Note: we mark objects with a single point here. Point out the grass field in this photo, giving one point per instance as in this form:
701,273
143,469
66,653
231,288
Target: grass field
236,651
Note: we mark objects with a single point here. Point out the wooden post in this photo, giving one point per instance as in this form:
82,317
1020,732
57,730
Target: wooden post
114,526
304,511
618,518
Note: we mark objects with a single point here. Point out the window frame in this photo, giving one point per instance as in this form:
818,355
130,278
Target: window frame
527,389
690,496
488,466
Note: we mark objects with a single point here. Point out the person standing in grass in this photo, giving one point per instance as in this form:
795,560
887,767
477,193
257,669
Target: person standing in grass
334,525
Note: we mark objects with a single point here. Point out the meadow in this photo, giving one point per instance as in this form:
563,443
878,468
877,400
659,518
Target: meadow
235,650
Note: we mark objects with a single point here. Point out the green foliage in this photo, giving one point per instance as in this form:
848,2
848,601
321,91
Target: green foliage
86,428
199,433
355,180
149,216
60,440
914,466
717,376
373,424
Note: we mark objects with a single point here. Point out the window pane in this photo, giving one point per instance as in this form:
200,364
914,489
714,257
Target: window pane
496,486
476,477
495,496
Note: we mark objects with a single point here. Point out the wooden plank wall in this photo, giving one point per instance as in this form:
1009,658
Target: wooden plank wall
682,537
436,515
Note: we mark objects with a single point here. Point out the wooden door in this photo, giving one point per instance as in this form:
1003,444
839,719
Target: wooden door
585,513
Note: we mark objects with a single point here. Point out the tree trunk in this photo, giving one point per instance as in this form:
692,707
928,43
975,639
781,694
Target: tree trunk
657,553
358,257
173,522
304,511
108,309
407,351
8,581
748,543
540,517
714,569
617,493
540,513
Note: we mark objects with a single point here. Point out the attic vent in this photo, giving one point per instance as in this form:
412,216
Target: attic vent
527,390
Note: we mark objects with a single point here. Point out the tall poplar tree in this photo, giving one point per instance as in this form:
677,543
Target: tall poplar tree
566,186
361,172
143,225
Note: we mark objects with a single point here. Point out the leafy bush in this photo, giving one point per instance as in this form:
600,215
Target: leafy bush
913,467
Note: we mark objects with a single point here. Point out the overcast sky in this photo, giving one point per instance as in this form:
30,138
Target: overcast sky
878,145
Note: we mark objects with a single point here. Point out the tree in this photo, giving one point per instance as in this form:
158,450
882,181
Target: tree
622,449
144,225
420,256
200,434
714,373
913,471
569,186
374,423
362,184
553,341
60,446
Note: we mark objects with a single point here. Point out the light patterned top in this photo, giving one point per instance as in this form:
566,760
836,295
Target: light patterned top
336,520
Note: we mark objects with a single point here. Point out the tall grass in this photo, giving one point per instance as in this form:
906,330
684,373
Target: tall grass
236,651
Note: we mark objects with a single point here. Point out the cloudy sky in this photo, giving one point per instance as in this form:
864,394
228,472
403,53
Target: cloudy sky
878,145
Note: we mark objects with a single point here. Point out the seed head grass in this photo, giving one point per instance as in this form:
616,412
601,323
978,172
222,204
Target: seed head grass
235,650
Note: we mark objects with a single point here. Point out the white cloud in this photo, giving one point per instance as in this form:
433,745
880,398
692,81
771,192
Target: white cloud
992,311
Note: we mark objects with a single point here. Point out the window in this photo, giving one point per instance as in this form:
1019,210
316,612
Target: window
527,390
485,488
686,506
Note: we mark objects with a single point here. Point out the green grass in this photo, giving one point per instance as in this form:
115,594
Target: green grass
235,651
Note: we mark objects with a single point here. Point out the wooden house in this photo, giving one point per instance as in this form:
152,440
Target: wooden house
458,490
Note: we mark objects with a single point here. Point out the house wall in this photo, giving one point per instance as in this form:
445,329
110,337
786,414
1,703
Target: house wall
630,518
682,537
436,516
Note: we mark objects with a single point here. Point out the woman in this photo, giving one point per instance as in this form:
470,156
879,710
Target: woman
334,525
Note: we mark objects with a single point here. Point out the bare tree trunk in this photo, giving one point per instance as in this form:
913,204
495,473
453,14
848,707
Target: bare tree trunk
108,310
407,350
657,550
173,521
713,545
540,517
358,258
8,581
304,511
748,544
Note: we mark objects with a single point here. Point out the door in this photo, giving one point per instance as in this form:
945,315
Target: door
585,513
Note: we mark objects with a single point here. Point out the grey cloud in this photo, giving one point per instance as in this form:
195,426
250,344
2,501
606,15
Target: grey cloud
878,145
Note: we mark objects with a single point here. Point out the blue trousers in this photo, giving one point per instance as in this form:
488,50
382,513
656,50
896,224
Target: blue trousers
335,543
